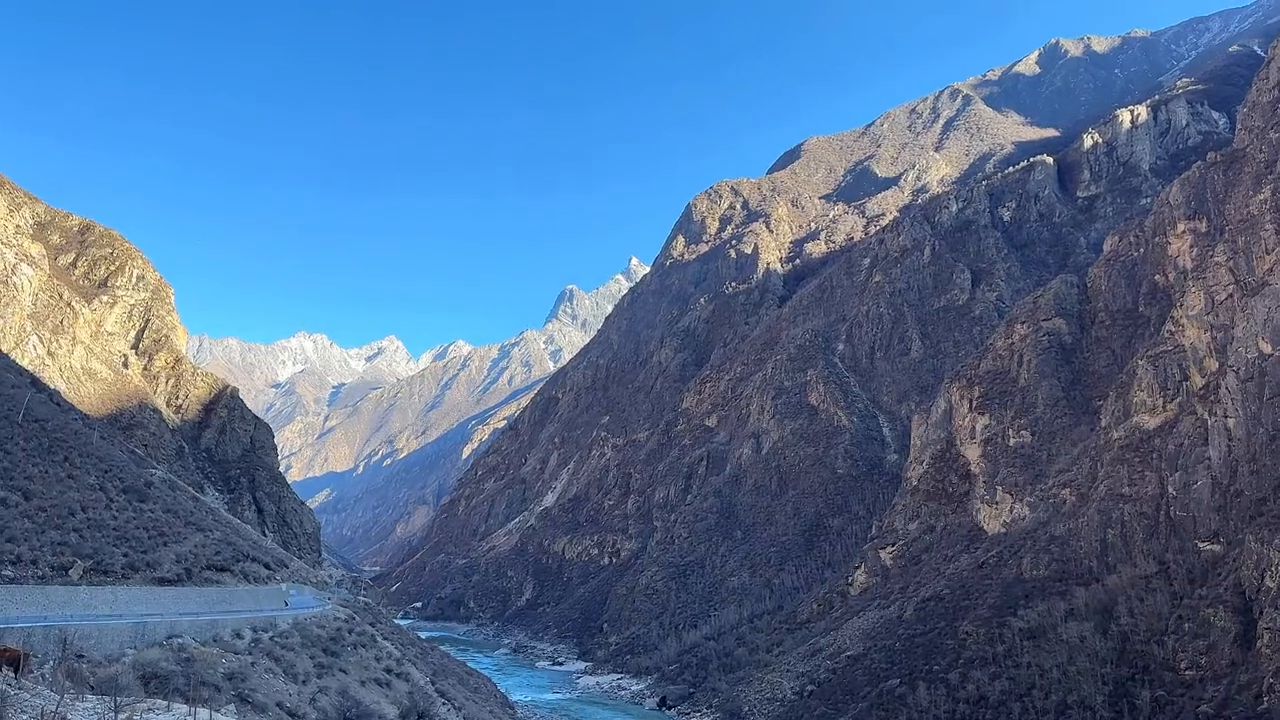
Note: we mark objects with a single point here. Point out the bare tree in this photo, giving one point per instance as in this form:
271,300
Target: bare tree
346,706
195,693
118,691
66,674
202,692
416,706
23,411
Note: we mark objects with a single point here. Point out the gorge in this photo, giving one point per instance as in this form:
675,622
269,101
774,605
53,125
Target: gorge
853,431
971,412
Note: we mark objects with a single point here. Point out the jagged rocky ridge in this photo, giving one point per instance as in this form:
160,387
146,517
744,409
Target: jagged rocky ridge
293,384
372,437
86,313
691,496
1088,510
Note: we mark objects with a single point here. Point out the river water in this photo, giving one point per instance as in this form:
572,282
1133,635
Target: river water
541,692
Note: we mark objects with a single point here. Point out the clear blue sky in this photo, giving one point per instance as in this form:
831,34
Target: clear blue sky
439,170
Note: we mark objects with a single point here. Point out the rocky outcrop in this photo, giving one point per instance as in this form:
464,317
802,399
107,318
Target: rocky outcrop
1087,523
121,462
89,315
753,414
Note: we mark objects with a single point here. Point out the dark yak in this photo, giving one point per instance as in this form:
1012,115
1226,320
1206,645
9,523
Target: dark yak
14,659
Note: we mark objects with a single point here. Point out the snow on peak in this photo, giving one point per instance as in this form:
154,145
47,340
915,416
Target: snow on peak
568,305
446,352
390,342
1250,22
306,384
308,340
583,311
256,367
386,359
635,270
387,349
261,370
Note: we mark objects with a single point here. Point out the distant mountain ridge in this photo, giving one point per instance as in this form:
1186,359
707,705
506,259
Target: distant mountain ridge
344,417
258,369
291,382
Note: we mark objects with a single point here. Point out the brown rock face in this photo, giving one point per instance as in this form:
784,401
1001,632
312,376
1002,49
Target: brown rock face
89,315
121,462
1087,524
78,504
794,469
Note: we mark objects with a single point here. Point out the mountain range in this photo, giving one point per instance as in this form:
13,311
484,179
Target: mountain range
963,413
374,438
970,412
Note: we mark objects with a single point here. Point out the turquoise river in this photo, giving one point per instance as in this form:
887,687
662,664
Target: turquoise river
537,691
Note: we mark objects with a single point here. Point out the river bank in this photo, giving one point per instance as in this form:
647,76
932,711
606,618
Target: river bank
545,681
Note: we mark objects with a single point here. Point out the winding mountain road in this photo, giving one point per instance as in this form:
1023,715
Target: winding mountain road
117,617
298,602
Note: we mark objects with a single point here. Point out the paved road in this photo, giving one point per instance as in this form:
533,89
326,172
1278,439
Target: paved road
299,601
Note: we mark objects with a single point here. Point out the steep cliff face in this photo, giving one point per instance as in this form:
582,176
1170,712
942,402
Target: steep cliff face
87,313
122,462
1087,525
752,412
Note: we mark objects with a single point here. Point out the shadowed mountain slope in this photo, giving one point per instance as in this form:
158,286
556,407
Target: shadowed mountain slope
1087,524
713,463
75,496
121,462
85,312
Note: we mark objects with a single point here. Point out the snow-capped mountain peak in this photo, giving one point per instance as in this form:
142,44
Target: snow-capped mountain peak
258,369
386,400
388,357
568,306
634,270
446,352
585,311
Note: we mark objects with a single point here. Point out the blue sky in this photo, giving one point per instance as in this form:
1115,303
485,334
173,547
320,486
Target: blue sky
440,170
